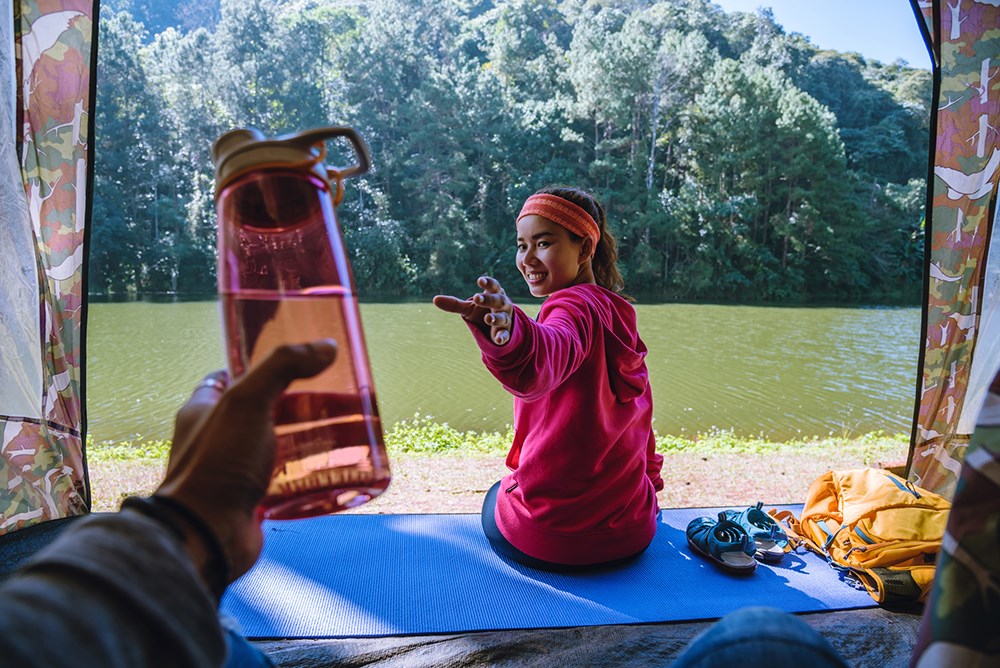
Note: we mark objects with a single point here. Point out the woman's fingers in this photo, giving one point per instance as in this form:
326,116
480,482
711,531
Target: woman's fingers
491,307
497,302
498,319
500,324
451,304
501,309
489,284
466,308
493,301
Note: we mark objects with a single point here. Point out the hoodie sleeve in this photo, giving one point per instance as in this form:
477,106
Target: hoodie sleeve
541,355
114,590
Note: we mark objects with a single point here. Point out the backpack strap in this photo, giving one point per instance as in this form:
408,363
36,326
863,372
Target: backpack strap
797,536
793,527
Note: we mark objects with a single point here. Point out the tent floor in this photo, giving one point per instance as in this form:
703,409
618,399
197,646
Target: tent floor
867,637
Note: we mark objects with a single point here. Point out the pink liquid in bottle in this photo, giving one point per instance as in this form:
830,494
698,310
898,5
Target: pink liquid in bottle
284,278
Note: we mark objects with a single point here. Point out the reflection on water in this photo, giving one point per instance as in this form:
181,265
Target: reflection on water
782,372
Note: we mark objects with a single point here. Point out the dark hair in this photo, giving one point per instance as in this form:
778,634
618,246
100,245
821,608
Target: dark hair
605,262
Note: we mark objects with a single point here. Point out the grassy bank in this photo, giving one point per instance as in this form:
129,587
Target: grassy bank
440,469
422,435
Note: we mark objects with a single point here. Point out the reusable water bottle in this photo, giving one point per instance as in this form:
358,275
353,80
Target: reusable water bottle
284,277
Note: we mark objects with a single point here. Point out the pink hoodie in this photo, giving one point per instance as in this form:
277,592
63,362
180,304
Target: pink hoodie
584,467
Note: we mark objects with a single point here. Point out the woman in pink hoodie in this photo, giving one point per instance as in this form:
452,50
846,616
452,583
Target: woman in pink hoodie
584,469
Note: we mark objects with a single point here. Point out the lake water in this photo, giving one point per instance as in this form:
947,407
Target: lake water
780,372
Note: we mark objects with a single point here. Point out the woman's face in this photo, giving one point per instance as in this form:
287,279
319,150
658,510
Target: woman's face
548,257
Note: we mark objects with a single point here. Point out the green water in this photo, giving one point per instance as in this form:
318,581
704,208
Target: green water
780,372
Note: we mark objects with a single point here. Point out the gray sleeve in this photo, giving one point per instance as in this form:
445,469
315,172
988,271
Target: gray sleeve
115,590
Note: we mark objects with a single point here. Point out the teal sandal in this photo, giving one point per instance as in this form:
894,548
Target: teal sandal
723,542
770,540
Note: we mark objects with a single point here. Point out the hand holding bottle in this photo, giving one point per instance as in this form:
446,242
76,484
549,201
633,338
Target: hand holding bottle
223,449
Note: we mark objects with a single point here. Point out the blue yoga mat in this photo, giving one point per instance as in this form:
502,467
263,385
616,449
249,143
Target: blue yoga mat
380,575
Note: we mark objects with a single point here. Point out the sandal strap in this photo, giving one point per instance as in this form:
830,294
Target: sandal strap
716,537
759,524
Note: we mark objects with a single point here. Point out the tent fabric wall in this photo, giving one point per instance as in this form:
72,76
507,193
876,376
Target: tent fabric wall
959,624
988,338
20,322
965,39
43,472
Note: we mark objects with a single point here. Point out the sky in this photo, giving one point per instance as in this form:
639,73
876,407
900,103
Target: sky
881,30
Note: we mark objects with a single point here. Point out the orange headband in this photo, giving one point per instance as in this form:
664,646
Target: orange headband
563,212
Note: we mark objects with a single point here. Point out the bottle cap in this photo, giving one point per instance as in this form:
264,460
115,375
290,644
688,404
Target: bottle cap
239,151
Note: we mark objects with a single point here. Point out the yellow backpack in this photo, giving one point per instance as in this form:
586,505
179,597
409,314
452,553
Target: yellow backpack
881,528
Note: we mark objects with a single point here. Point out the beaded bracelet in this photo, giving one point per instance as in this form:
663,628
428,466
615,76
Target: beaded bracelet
167,510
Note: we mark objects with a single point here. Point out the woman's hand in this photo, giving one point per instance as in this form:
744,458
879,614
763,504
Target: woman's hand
491,310
223,449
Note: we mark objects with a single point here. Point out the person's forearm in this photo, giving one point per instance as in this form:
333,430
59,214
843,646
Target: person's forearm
114,590
540,356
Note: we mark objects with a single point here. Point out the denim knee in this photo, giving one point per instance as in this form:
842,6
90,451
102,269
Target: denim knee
759,636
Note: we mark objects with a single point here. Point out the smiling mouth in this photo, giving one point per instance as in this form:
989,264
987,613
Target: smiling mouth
535,277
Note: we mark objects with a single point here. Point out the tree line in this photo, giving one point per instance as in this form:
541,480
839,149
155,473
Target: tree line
735,161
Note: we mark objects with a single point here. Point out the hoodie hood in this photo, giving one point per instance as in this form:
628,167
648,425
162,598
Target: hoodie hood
624,351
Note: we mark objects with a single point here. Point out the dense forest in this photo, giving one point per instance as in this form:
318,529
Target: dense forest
736,161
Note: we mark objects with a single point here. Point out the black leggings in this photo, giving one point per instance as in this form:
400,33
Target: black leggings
503,547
